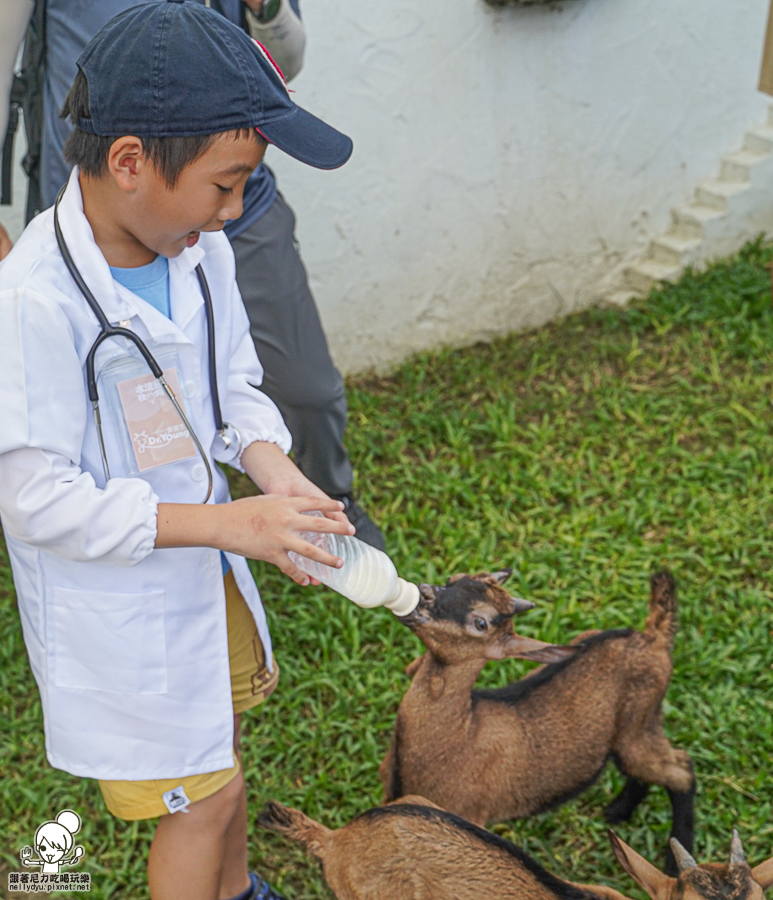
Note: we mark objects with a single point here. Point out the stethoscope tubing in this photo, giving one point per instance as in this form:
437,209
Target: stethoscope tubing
115,331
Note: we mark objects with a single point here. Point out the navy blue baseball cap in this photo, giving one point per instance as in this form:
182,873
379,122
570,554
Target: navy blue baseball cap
177,68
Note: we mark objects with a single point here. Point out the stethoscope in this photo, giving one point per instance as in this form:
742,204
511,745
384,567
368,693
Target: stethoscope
113,331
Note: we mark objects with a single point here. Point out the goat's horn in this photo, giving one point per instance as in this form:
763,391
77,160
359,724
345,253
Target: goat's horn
520,605
682,857
737,856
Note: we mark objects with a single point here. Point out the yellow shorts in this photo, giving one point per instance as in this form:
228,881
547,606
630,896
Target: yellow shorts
251,684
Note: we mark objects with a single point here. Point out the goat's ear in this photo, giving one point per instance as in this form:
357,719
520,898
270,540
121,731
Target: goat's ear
427,593
652,880
501,575
528,648
763,874
414,800
455,578
413,667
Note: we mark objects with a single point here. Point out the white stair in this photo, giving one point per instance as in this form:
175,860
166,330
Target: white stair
698,227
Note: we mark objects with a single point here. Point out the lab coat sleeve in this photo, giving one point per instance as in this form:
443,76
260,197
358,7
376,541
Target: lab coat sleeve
48,502
245,406
46,499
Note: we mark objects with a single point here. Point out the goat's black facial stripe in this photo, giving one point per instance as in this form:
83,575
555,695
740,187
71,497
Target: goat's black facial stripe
735,885
454,602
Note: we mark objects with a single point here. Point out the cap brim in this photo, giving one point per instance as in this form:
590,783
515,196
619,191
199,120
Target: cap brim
309,140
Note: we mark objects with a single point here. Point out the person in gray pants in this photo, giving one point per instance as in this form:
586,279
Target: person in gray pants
291,345
284,319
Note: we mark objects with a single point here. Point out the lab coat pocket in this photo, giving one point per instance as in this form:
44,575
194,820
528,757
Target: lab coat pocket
109,642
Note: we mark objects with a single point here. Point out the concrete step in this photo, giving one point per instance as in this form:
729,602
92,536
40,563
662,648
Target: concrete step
759,138
717,193
674,249
738,166
690,219
644,275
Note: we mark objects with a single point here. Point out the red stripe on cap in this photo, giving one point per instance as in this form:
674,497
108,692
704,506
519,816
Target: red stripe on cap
262,135
270,58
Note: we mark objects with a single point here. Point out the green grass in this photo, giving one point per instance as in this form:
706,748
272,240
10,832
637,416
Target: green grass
584,455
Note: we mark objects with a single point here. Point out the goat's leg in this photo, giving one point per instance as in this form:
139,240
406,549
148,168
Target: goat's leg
682,823
649,756
623,806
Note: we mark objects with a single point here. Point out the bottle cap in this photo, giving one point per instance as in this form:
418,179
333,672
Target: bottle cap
405,598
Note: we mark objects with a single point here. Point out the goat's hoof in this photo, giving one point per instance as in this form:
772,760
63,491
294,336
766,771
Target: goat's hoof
619,810
616,813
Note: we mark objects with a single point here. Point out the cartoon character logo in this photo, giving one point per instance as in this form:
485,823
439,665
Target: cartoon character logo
53,841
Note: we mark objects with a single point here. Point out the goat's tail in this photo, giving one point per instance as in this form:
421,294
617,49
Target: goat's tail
297,826
663,607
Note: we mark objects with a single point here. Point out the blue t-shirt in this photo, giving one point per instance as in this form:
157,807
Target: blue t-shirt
151,283
70,25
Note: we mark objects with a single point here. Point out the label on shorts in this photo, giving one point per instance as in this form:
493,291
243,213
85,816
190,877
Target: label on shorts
176,800
157,433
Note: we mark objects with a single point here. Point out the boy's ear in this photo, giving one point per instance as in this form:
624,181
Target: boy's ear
125,160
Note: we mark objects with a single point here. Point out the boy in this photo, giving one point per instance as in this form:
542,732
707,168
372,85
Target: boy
146,655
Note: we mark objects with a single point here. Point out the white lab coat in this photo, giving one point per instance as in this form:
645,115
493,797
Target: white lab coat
128,644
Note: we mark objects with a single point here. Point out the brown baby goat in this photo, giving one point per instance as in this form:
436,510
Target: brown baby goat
709,881
412,850
489,755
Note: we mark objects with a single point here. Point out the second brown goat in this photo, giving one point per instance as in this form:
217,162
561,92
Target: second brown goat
490,755
412,850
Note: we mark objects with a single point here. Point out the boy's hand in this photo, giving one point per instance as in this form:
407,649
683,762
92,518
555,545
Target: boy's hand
266,528
274,473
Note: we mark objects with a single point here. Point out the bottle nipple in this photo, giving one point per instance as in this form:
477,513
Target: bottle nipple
405,598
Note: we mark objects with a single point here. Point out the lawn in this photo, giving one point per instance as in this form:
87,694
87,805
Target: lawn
583,455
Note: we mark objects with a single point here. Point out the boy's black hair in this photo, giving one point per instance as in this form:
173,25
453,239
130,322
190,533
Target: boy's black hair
169,155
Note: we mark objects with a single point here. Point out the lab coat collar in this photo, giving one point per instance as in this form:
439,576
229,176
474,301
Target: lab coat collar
185,295
118,302
86,254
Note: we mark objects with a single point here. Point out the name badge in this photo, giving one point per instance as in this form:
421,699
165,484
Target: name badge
143,420
157,433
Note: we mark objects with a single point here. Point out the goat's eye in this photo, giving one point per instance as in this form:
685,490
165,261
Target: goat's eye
480,624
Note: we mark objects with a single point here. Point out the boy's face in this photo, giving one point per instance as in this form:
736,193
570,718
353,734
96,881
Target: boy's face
207,194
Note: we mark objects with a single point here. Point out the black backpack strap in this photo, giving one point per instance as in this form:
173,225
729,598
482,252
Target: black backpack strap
33,76
27,95
6,173
15,104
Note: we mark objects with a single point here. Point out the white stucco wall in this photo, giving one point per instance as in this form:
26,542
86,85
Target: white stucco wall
505,160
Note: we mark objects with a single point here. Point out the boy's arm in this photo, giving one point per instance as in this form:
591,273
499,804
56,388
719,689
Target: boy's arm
50,503
264,527
46,499
275,473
